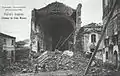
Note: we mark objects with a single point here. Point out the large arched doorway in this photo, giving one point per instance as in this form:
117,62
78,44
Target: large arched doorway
58,25
58,28
115,59
111,52
106,55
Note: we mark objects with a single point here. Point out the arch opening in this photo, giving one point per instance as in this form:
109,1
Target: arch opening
115,58
57,28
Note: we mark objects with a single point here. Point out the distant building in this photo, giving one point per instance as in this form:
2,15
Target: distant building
7,48
22,50
111,50
91,35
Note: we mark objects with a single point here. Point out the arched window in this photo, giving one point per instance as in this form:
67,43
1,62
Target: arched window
115,58
93,38
106,55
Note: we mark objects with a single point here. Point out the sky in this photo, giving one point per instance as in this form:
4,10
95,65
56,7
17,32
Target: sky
91,12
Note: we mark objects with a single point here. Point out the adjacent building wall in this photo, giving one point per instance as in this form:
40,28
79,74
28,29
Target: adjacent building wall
89,30
7,48
112,35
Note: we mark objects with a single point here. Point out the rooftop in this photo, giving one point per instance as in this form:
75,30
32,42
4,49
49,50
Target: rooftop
5,35
56,7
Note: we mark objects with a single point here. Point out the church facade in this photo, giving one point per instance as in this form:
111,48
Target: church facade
54,27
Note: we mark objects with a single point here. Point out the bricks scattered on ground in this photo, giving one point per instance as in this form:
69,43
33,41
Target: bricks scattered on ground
58,61
54,63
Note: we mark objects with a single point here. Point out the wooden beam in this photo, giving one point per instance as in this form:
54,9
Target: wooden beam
67,38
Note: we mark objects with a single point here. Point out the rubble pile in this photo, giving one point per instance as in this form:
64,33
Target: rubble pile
61,61
17,67
53,61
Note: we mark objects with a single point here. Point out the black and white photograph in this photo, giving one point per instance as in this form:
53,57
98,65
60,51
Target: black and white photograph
59,37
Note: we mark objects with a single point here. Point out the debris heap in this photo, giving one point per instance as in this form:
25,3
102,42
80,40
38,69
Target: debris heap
53,61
